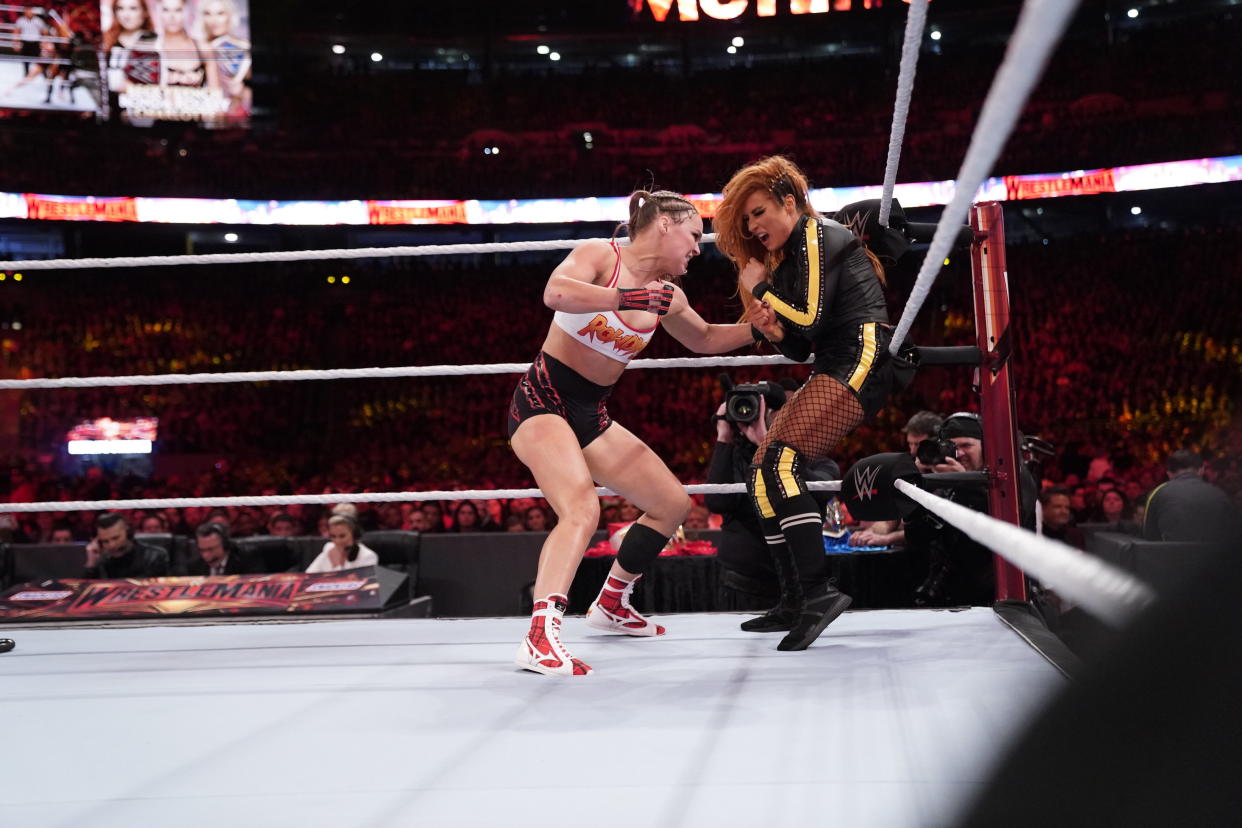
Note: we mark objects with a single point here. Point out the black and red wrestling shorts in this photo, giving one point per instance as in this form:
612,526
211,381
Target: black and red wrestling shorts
552,387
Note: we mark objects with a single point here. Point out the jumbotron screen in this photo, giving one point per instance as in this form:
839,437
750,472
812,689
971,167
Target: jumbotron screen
108,436
49,56
177,60
139,61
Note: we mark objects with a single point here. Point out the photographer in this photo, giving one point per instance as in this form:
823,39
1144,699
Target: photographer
922,426
748,577
959,570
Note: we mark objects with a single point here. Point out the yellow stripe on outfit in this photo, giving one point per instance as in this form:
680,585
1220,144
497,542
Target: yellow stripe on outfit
761,496
866,360
784,468
813,283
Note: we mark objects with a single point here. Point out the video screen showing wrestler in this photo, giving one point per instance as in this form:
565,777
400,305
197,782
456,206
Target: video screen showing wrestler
178,60
55,64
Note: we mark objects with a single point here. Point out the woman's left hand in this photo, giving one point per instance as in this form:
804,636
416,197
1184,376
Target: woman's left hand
752,274
761,315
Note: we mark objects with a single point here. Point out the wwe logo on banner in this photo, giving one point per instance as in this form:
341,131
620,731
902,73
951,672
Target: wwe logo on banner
864,481
143,67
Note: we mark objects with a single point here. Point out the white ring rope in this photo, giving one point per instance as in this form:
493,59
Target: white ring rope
1039,28
311,255
368,373
356,497
1106,591
916,19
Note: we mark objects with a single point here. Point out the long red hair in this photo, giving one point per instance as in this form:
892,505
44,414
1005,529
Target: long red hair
779,178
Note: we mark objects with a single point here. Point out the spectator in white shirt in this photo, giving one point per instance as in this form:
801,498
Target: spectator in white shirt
344,549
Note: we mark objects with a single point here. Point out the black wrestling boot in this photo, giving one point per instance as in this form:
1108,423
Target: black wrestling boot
824,603
778,619
6,644
785,614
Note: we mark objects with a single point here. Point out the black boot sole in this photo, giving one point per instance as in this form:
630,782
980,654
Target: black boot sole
765,628
800,639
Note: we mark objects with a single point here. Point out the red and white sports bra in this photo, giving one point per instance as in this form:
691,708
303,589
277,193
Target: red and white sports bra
605,331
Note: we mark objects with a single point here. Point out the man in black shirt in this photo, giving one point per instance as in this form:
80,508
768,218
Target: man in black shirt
1187,507
218,554
1059,517
748,573
959,570
113,552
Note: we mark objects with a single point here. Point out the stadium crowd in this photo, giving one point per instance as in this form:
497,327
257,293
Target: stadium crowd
1120,359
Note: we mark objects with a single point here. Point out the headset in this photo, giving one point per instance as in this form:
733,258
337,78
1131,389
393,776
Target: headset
215,527
109,519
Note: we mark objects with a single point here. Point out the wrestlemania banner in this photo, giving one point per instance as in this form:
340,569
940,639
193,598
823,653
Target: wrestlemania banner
286,592
44,207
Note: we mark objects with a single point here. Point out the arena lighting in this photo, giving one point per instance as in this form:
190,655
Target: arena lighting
935,35
332,280
338,49
17,277
554,56
230,237
732,50
344,280
376,57
109,446
1132,13
739,42
543,50
1136,210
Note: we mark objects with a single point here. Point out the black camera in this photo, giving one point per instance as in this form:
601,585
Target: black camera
742,402
935,450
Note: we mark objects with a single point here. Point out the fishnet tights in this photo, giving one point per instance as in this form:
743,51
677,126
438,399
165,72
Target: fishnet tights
815,419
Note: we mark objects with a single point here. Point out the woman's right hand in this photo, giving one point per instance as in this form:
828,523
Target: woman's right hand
654,297
751,274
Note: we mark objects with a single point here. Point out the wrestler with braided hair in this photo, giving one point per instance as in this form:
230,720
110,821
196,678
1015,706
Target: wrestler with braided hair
808,284
608,299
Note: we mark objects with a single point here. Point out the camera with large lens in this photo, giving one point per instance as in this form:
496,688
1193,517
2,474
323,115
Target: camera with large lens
935,450
742,402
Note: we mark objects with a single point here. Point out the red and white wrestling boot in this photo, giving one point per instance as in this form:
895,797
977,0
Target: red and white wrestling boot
613,612
542,651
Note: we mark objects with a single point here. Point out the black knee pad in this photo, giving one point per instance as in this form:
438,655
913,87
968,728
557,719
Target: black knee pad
640,547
